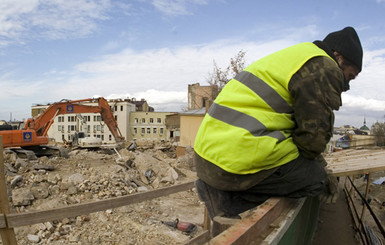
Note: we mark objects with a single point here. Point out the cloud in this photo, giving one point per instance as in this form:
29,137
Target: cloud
161,76
60,19
363,104
159,100
176,7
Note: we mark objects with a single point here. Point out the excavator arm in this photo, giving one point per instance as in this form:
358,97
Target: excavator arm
42,123
35,130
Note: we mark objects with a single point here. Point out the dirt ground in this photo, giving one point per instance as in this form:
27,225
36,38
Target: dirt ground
96,175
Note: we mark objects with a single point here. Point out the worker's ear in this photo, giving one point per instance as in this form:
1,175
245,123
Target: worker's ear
339,57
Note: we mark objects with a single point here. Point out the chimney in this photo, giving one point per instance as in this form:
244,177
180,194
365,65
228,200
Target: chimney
208,104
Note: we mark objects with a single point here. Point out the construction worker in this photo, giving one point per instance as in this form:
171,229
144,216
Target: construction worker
264,134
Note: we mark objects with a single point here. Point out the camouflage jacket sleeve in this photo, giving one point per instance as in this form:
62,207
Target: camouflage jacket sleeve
316,89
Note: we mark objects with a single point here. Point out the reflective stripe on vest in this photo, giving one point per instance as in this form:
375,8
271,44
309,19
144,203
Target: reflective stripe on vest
269,95
243,120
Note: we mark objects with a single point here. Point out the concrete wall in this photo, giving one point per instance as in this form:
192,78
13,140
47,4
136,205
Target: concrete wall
189,125
362,140
198,96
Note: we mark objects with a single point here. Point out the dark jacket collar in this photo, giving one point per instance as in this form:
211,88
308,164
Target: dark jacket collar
325,47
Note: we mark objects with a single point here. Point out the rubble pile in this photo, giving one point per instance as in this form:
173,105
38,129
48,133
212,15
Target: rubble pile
86,176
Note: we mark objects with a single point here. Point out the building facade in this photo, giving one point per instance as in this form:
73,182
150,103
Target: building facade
148,125
65,126
200,96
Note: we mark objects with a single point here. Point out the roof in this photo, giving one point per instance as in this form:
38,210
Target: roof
364,128
197,112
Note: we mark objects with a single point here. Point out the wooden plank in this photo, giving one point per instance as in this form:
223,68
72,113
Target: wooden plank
200,239
7,234
351,162
283,223
2,221
21,219
246,230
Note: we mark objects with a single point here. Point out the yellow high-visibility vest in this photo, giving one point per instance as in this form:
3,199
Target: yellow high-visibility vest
248,127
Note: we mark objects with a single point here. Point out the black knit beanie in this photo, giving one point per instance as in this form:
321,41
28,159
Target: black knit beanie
347,43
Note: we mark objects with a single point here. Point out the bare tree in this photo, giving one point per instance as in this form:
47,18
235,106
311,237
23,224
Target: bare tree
378,129
220,77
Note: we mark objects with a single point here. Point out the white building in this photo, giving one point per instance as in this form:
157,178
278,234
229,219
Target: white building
64,126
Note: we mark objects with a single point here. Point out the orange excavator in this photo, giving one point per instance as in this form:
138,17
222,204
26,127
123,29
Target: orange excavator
33,137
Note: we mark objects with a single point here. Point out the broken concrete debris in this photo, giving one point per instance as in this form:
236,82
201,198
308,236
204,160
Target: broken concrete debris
86,176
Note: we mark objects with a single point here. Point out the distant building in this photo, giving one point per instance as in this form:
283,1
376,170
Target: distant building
65,126
200,99
190,122
148,125
136,120
173,126
200,96
364,128
142,105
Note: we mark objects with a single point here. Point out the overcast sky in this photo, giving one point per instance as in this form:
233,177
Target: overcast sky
152,49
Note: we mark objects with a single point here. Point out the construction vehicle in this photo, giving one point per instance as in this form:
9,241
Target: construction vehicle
33,137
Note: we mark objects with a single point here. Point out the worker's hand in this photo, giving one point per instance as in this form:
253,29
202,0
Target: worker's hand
332,191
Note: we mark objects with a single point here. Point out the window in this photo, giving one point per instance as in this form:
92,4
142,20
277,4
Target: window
151,120
60,119
143,130
136,120
135,130
71,128
110,137
148,130
60,128
115,108
143,120
116,117
121,108
71,118
158,120
97,118
161,130
154,130
98,127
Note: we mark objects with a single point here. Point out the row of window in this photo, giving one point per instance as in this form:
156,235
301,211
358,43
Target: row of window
72,128
148,130
151,120
116,108
97,118
100,128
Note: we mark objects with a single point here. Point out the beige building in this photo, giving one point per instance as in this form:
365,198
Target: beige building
190,122
148,125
